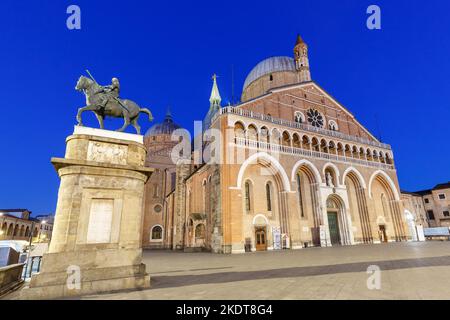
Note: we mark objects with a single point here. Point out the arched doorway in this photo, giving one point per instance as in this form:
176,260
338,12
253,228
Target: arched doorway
260,224
260,239
333,224
337,221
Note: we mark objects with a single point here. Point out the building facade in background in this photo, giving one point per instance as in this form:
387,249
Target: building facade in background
157,217
436,204
288,167
17,224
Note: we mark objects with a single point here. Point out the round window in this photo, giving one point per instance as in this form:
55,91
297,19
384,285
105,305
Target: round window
157,208
315,118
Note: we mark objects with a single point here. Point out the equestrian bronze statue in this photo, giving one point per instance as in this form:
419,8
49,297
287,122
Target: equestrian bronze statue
104,101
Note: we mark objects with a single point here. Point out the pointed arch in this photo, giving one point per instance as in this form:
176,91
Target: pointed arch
358,175
336,206
269,161
387,179
308,164
252,132
258,218
359,212
335,168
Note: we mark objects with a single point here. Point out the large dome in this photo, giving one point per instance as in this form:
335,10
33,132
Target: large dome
270,65
165,127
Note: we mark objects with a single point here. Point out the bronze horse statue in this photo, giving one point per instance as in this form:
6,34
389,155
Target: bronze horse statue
104,104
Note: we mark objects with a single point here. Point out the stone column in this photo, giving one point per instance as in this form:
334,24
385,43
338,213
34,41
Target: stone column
96,244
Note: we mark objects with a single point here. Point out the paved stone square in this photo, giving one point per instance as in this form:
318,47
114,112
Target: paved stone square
408,271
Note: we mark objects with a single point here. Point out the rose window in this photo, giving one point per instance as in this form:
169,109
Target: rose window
315,118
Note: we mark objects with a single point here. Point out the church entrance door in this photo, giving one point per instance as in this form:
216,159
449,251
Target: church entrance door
334,228
261,239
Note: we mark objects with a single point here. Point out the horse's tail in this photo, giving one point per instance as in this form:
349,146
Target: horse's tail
145,110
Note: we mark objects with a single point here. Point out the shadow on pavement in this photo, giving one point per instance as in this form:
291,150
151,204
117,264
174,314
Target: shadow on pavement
224,277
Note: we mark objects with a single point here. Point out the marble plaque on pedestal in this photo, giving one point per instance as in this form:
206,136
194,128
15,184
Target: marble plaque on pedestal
100,221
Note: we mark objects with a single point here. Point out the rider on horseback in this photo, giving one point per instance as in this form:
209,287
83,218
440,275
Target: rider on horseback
104,101
109,91
113,89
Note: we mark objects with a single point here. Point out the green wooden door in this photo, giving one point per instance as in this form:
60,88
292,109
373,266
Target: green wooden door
334,228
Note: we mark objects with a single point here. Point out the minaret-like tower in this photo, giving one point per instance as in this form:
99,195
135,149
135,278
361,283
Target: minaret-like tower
301,60
214,104
215,98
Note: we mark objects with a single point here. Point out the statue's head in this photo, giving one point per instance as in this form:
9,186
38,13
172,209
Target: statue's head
115,81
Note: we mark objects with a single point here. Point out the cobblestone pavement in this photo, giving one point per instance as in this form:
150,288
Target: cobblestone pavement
408,271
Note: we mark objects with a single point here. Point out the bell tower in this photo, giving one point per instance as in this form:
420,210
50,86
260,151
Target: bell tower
301,60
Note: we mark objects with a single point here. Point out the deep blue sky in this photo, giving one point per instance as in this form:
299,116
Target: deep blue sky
165,52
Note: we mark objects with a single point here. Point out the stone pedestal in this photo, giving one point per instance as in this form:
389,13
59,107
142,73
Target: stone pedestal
96,243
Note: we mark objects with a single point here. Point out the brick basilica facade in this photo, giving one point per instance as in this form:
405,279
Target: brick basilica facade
296,170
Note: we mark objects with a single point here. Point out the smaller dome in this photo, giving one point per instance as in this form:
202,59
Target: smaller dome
165,127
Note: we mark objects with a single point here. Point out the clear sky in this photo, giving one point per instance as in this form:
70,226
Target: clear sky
165,52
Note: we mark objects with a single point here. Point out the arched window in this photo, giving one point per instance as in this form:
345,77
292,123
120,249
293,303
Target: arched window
239,130
252,132
286,139
276,136
332,125
10,229
156,233
247,196
269,196
264,136
299,117
4,228
300,199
